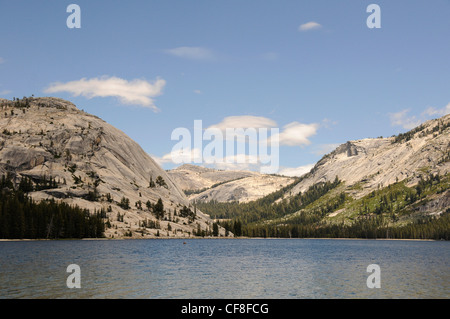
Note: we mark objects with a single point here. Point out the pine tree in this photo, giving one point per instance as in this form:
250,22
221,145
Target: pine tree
151,183
124,203
215,230
158,209
160,181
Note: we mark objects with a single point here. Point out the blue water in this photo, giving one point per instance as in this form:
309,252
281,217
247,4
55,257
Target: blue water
225,268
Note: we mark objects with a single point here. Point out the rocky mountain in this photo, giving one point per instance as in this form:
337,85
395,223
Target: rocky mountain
378,162
206,184
87,162
397,186
194,178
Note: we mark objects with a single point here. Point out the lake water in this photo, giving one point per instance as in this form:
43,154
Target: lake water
225,268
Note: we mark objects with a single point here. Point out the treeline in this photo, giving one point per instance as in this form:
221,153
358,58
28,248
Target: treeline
437,129
27,184
396,197
376,214
21,217
19,103
157,209
371,227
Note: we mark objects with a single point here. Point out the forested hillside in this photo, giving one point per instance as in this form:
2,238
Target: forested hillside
396,187
327,210
22,217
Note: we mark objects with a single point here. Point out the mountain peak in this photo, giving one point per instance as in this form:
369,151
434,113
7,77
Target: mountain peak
94,165
45,102
379,162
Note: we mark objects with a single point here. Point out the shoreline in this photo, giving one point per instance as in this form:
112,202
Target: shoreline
209,238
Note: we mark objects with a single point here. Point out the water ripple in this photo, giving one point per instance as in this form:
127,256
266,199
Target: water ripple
235,269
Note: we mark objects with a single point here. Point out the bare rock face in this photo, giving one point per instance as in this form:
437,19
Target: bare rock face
350,149
206,184
436,205
52,138
379,162
194,177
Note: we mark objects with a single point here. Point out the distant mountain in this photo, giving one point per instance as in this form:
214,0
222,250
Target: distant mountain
93,165
205,184
383,187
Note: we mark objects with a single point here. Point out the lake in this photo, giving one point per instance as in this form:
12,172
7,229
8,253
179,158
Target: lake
225,268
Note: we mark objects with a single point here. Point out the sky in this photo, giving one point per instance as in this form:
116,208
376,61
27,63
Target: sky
312,69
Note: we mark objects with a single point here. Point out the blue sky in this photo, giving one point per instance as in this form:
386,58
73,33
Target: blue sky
148,67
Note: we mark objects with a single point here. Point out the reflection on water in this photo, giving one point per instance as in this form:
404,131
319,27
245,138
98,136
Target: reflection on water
225,268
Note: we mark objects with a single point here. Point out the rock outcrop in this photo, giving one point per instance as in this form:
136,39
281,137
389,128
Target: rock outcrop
206,184
94,165
379,162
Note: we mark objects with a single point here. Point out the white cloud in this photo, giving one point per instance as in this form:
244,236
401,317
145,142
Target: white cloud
431,111
161,160
297,134
2,60
292,134
245,121
197,92
409,122
5,92
193,53
179,156
401,119
325,149
238,162
234,162
246,129
138,92
296,171
309,26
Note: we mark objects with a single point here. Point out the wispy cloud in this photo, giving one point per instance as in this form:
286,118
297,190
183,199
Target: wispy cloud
179,156
193,53
327,123
403,119
292,134
232,162
238,162
244,121
137,92
5,92
325,149
431,111
309,26
248,127
2,60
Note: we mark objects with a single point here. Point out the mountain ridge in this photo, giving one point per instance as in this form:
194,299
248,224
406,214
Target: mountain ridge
95,166
386,160
364,188
205,184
